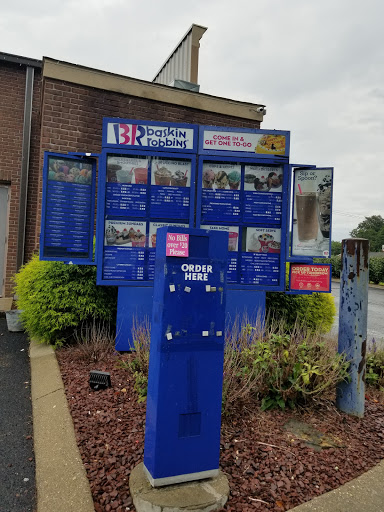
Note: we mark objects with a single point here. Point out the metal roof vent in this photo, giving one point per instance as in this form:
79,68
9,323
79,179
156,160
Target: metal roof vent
183,84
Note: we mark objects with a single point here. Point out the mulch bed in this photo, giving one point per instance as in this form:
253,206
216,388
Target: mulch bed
270,466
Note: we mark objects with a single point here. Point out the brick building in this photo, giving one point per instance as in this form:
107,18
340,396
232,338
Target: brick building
58,106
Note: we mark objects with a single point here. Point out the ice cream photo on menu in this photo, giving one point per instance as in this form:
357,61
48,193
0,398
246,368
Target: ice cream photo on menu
171,172
218,176
125,233
263,178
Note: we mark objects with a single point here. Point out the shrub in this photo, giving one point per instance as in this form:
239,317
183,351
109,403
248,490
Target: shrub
280,368
266,365
56,299
316,311
374,374
376,270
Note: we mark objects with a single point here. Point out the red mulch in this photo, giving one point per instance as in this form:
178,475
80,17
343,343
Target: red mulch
268,467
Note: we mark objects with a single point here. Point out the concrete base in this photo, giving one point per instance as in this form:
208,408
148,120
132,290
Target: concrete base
199,496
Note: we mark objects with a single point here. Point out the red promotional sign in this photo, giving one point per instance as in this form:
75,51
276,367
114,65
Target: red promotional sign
310,278
177,245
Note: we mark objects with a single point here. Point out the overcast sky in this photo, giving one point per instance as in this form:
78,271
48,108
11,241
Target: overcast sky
318,66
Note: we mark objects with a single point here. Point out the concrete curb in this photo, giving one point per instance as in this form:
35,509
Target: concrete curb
364,493
61,480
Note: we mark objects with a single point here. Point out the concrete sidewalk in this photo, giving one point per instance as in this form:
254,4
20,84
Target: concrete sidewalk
61,481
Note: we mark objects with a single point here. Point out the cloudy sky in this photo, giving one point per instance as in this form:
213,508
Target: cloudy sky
318,66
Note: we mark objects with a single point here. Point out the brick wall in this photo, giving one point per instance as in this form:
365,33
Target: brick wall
12,87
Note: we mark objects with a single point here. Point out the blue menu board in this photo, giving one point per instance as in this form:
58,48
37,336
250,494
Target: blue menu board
68,208
170,188
220,196
126,186
263,194
142,192
245,199
260,259
124,253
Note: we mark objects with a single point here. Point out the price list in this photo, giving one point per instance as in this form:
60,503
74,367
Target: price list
151,264
265,207
123,263
67,226
260,269
169,202
125,199
232,269
223,205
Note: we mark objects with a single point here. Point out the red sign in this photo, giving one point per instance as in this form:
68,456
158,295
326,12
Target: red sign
177,245
310,278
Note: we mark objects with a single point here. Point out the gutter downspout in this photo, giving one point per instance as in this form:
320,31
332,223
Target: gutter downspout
26,146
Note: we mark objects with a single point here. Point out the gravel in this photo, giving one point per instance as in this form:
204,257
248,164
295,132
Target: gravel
274,460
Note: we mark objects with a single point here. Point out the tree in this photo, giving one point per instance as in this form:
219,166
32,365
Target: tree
371,228
335,248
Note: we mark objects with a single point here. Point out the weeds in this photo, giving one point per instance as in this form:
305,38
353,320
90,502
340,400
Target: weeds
139,362
94,341
279,369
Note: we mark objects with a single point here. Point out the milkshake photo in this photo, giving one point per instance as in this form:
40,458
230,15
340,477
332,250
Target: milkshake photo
312,204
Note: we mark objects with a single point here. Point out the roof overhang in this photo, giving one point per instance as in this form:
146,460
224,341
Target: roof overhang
89,77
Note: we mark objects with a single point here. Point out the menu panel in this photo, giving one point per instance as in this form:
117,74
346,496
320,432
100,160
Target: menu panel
126,186
260,259
68,208
170,188
142,193
220,196
263,194
124,253
247,201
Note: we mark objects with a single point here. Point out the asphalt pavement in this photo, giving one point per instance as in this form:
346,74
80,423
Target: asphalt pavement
17,461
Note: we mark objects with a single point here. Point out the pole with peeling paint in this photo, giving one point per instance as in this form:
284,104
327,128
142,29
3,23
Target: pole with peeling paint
353,323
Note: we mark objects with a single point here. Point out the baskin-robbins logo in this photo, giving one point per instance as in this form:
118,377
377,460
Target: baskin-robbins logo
142,135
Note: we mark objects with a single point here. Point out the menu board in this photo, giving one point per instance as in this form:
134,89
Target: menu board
126,186
263,194
260,259
220,198
312,212
247,201
170,188
68,208
141,193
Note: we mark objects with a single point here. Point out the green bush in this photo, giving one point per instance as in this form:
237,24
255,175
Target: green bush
374,374
286,369
376,270
317,311
56,299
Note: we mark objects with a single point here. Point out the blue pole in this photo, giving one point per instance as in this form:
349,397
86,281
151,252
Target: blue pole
353,323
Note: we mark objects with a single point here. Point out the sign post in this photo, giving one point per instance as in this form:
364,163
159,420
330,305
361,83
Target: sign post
353,323
182,438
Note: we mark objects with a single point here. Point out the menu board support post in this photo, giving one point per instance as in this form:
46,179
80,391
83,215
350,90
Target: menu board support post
134,310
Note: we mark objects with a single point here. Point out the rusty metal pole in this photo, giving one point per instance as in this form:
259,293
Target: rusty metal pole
353,323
